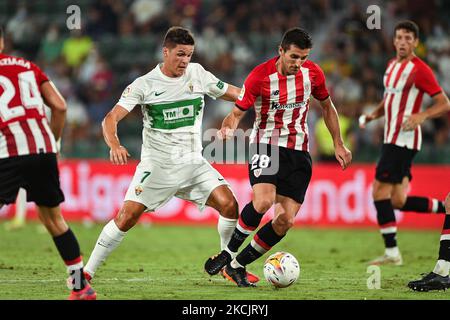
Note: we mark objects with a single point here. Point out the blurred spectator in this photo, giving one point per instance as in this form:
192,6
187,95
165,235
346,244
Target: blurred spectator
22,28
324,142
51,45
144,10
210,44
121,40
76,48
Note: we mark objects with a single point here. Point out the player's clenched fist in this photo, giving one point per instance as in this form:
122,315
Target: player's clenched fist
118,155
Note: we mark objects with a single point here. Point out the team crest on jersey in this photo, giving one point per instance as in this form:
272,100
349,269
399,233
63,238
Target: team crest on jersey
257,172
191,87
126,92
307,87
138,190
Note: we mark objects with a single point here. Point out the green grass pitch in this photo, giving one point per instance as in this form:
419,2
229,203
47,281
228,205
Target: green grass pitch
166,262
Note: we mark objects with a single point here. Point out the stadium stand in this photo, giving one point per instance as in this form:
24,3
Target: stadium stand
120,40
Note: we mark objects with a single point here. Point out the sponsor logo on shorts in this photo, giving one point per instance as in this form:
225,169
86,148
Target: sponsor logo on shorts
138,190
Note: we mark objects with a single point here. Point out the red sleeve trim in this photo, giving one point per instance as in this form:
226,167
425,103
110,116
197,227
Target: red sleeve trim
432,95
239,107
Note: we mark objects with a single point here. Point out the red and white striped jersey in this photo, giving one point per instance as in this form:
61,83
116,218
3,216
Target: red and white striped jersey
24,129
405,84
281,103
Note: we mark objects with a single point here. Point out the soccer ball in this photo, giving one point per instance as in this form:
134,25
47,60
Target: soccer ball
281,269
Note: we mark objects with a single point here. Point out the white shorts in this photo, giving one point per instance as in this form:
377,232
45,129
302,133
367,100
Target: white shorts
155,183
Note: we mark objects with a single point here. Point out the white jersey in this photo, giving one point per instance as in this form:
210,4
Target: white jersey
172,109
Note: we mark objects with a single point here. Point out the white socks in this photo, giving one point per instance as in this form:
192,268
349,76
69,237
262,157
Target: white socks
226,227
392,252
21,205
442,268
109,239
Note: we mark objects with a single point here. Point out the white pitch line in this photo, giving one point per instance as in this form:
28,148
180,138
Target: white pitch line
217,279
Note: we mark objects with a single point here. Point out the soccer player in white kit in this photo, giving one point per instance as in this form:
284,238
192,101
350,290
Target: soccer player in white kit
171,97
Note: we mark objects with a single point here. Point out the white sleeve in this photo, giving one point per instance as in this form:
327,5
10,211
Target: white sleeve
211,85
132,95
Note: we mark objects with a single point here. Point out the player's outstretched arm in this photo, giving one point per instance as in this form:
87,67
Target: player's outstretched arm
440,106
118,153
330,115
231,94
230,123
375,114
53,98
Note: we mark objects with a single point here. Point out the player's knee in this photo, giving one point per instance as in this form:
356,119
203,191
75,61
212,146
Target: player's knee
229,209
380,193
398,202
376,194
282,223
126,219
263,205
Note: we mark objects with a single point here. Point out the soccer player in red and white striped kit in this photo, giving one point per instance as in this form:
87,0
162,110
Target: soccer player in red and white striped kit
280,166
406,80
28,148
438,279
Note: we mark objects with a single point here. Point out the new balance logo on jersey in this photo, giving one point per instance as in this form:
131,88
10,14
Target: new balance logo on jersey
178,113
275,92
277,106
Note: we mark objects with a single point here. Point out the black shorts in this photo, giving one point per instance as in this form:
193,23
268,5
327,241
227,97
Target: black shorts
289,170
36,173
394,164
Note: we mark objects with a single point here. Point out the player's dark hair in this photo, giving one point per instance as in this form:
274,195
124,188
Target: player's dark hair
409,26
178,35
1,31
298,37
